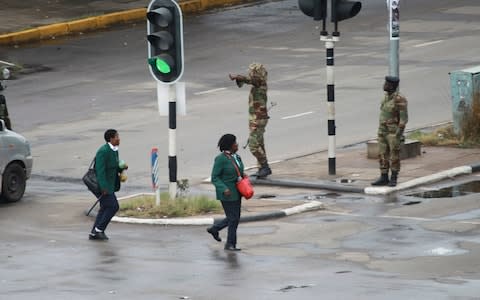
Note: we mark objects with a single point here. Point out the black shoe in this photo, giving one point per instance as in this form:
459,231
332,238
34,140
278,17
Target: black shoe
264,171
232,248
382,181
97,236
393,179
214,234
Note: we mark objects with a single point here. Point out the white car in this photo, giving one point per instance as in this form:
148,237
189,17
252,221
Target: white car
15,158
15,164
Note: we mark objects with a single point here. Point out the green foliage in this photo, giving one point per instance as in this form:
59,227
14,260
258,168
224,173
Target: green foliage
442,136
470,133
445,136
183,187
144,206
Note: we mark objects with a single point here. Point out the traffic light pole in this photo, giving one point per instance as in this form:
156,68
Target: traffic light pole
330,45
172,141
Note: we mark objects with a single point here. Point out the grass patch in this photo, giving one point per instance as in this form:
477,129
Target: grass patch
442,136
184,206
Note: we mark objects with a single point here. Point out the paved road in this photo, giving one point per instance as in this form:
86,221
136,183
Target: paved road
100,80
358,248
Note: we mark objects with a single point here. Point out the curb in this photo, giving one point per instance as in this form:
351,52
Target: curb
305,207
309,184
104,21
463,170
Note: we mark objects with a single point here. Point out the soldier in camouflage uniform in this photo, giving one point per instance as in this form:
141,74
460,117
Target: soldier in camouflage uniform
258,114
3,109
393,118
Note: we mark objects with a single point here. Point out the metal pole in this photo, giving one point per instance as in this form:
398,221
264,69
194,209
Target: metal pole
394,36
330,45
172,151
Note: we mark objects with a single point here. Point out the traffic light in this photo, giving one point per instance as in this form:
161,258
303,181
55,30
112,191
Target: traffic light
314,8
165,40
344,9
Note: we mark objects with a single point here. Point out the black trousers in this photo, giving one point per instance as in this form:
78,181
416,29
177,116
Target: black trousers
232,214
108,208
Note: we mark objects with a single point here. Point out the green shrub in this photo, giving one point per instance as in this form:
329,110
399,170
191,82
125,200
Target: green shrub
144,206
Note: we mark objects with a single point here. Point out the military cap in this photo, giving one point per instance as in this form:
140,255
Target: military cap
392,79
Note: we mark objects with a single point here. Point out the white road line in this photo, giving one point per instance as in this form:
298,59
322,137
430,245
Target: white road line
209,91
428,44
7,63
297,115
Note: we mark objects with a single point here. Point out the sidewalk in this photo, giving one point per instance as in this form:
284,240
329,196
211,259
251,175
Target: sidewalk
354,172
34,20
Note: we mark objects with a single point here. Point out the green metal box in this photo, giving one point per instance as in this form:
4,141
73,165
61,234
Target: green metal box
465,84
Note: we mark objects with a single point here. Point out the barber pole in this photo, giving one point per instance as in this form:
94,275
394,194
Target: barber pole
155,179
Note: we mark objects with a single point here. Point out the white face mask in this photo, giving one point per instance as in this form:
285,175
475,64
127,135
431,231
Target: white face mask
114,148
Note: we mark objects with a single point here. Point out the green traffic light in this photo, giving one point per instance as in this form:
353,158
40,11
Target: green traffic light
162,66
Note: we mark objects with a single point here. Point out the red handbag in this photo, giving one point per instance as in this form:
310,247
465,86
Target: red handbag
244,186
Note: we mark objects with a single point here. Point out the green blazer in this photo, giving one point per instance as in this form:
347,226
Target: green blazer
106,169
225,176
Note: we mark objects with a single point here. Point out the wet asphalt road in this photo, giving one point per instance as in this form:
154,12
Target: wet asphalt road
359,248
100,80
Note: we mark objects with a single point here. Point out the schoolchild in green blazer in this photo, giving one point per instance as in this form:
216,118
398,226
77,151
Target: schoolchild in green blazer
224,178
107,170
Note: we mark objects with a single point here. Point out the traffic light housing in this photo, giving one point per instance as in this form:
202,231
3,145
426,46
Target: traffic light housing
165,40
314,8
344,9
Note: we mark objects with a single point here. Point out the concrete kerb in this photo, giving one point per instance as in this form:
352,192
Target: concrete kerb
104,21
305,207
463,170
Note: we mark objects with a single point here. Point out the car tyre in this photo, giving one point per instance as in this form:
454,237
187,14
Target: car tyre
14,182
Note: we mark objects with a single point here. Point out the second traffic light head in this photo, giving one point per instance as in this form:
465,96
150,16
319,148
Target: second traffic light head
314,8
344,9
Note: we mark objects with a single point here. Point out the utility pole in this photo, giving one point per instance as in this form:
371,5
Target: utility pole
394,36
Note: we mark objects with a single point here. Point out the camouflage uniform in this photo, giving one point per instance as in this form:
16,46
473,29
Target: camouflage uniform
257,109
4,111
393,118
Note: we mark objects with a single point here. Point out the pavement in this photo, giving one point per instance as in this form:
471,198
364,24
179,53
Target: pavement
35,20
286,191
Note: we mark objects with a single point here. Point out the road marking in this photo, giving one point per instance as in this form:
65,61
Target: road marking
7,63
297,115
209,91
428,44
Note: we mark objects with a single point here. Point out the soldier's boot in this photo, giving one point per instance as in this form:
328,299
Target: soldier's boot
264,171
393,179
382,181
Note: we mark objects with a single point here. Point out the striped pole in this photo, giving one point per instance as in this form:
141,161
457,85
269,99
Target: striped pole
172,144
155,179
329,45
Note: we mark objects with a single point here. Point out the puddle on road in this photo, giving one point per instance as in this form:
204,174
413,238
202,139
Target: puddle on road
451,191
